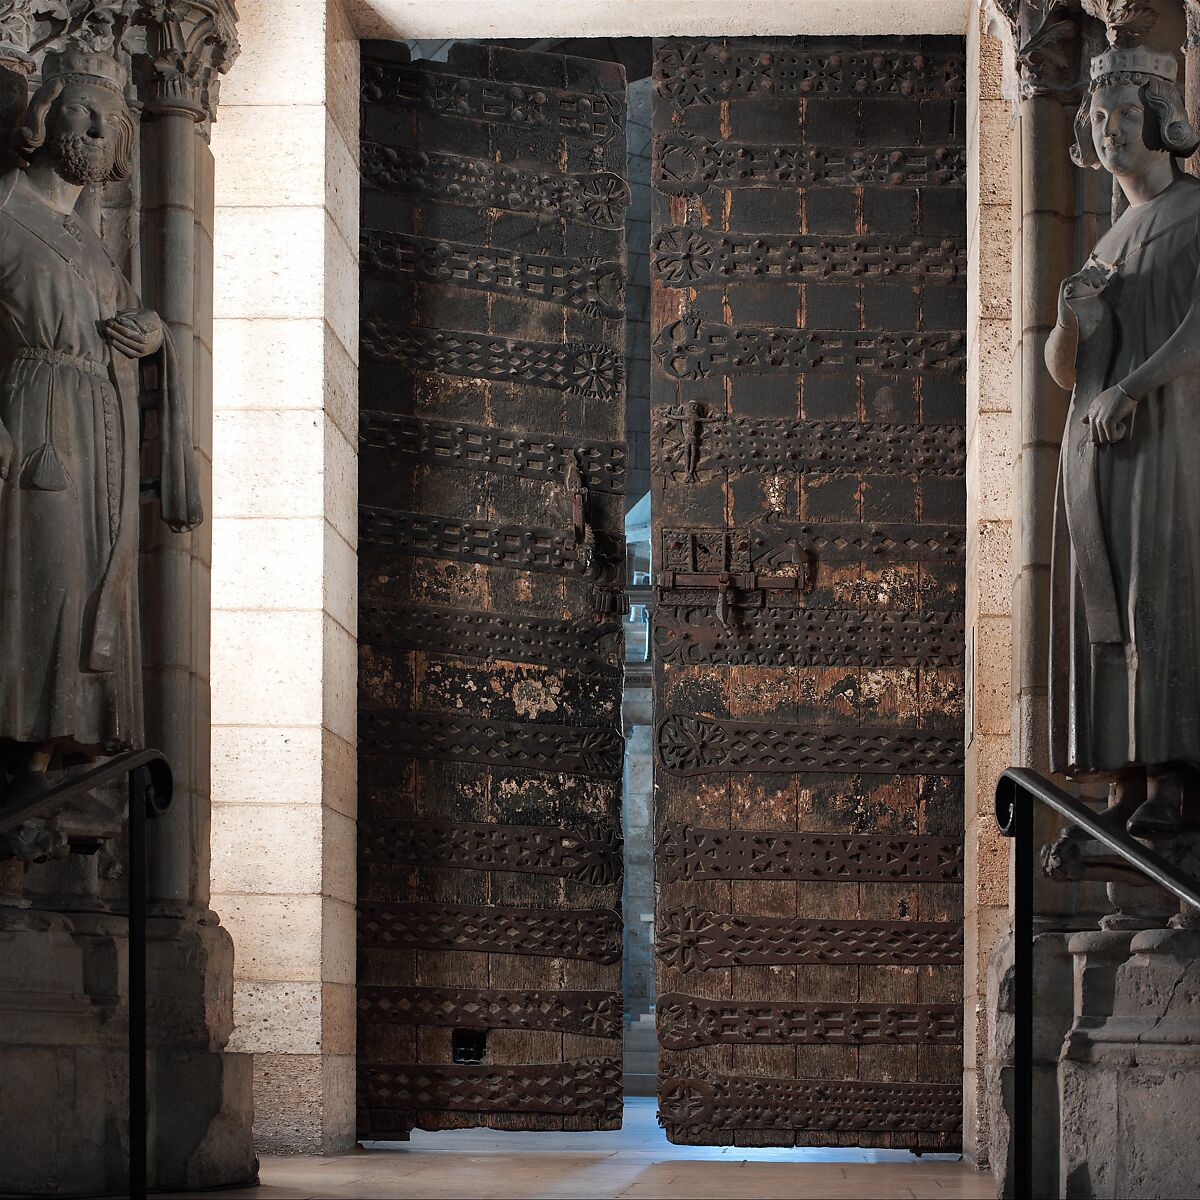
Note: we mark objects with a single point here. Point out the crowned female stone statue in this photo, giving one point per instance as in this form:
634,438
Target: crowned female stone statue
1125,582
72,332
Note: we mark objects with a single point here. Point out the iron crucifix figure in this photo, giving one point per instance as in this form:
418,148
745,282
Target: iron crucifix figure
72,336
1125,577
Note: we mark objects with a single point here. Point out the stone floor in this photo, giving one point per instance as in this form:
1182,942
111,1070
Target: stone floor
636,1163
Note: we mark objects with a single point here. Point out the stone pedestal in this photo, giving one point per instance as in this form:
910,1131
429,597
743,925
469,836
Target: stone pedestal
64,1058
1129,1078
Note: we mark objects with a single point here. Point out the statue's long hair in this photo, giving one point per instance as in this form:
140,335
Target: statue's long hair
31,137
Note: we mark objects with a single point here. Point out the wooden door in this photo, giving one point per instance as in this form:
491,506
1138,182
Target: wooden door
491,567
809,296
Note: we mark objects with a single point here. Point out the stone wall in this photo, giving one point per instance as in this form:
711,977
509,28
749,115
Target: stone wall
284,573
989,544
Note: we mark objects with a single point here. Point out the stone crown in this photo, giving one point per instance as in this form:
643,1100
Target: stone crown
1135,59
90,65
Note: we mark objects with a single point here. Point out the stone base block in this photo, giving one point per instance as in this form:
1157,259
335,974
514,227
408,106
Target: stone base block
305,1103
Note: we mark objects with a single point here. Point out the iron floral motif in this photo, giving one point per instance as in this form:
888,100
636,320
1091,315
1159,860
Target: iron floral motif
484,447
714,1102
495,636
711,72
685,852
590,854
691,745
595,372
690,163
593,935
596,198
598,115
684,256
593,1014
685,1022
595,751
693,939
593,286
693,349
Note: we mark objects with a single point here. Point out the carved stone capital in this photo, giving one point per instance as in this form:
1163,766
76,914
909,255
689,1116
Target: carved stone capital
1045,44
1126,22
189,45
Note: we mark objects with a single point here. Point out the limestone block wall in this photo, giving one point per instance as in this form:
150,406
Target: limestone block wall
284,572
989,544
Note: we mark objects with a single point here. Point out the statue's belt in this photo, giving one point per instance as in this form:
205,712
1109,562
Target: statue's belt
60,358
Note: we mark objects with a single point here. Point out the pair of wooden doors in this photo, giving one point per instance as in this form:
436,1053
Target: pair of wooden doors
808,295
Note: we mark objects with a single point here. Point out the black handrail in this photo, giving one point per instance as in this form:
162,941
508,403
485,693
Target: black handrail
1016,821
150,783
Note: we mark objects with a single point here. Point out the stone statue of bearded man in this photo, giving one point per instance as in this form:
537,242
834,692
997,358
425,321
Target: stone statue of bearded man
73,335
1125,579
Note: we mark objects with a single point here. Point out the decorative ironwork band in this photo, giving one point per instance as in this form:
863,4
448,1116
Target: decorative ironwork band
497,637
593,286
594,372
834,1106
595,198
691,634
691,163
688,745
593,935
707,73
780,543
692,939
685,256
591,854
519,547
685,852
587,1087
693,349
597,115
691,440
455,737
687,1021
593,1014
506,451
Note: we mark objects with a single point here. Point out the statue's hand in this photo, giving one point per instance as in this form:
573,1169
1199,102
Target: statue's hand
1109,415
135,333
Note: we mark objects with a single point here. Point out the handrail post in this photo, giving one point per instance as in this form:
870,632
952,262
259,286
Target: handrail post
138,799
1022,1119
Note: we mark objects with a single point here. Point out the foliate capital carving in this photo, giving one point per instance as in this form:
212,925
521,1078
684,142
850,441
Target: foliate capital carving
189,45
1044,36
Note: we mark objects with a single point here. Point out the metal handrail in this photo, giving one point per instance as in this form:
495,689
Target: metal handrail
150,783
1016,821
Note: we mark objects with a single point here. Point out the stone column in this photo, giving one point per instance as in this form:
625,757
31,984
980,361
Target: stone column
1191,88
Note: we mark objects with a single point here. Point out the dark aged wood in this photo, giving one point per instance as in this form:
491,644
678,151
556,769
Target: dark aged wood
802,637
546,933
712,72
692,349
808,409
593,114
596,197
591,855
687,853
590,644
694,164
692,441
595,288
682,255
577,368
688,745
692,939
685,1022
713,1102
491,566
592,750
478,447
585,1089
596,1014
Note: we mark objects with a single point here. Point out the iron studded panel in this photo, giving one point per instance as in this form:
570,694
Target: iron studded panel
808,405
492,471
